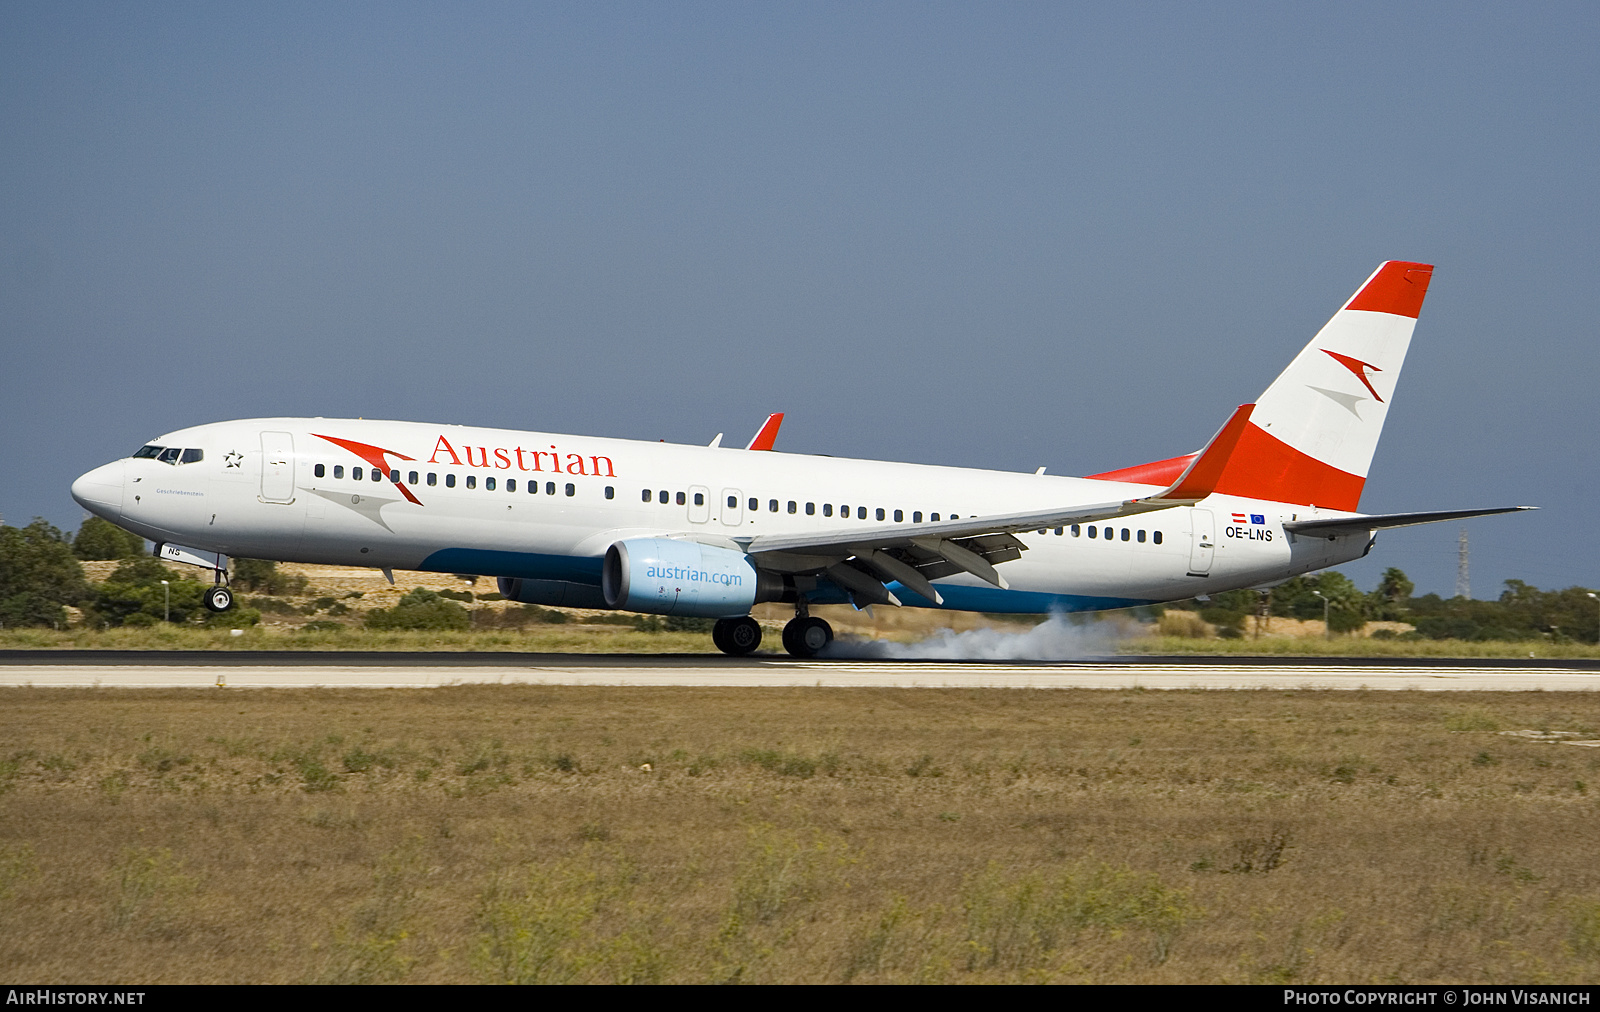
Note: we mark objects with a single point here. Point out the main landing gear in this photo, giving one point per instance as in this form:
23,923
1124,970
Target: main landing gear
736,636
806,636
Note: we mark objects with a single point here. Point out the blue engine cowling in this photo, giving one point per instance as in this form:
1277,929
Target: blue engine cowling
667,577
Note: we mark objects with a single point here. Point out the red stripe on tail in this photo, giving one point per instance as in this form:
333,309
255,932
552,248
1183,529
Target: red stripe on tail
1263,466
1397,288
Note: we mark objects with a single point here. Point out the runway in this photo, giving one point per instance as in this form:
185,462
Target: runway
407,671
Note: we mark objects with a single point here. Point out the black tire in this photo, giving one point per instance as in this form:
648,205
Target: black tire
219,599
807,637
736,636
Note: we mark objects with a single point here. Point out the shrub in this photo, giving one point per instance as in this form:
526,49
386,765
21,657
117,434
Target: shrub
135,589
262,575
1184,624
420,609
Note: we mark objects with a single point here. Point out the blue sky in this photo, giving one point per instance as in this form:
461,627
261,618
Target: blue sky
1003,235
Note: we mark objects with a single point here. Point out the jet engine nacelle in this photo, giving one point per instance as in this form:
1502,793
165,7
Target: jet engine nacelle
556,593
662,576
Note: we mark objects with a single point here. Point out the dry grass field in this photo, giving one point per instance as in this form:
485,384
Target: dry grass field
630,834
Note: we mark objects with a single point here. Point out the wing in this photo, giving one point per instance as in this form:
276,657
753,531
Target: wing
864,561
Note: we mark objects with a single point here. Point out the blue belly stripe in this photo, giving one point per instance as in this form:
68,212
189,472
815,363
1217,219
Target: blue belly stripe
527,565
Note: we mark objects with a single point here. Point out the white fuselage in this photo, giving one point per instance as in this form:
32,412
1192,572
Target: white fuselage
284,488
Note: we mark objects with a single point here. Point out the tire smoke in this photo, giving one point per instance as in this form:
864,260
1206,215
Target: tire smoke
1055,639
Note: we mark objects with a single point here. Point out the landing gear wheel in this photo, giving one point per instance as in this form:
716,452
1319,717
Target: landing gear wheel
736,636
219,599
807,637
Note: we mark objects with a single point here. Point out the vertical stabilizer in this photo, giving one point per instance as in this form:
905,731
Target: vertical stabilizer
1312,434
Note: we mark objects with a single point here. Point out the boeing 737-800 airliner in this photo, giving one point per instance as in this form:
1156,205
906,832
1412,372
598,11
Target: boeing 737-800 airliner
709,531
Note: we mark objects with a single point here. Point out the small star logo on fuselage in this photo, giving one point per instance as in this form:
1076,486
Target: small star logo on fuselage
234,458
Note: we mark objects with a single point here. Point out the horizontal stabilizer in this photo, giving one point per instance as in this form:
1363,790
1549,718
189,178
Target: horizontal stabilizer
1384,521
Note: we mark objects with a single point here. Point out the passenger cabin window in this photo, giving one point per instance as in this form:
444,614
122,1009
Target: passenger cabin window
1076,530
662,497
338,470
411,479
394,476
472,481
772,504
549,488
933,518
680,499
319,470
1141,537
733,502
571,489
899,516
861,512
611,491
511,484
1156,537
755,504
488,484
357,473
879,514
794,507
1125,534
1091,530
916,517
827,509
811,509
148,452
645,496
433,477
193,456
449,481
699,498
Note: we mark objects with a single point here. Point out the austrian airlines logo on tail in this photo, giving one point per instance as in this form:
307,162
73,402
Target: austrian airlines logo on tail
1358,367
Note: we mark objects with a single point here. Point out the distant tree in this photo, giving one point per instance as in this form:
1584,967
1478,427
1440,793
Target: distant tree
38,575
1394,588
99,538
1347,609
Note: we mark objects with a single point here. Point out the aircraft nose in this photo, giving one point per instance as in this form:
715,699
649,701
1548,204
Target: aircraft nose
100,491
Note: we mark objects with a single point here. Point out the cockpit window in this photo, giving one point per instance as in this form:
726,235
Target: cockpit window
170,455
193,456
148,451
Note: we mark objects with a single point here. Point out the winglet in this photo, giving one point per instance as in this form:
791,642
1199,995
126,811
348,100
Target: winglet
1199,479
769,433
